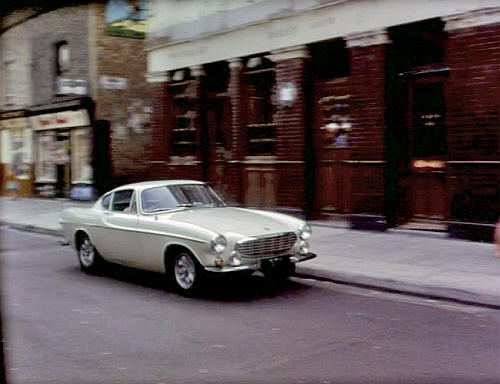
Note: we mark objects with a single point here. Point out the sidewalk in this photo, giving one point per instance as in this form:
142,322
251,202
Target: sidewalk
414,262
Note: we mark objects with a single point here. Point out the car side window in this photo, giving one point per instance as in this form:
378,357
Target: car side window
121,200
105,202
133,204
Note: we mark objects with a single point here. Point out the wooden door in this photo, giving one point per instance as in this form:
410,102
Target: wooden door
427,146
331,130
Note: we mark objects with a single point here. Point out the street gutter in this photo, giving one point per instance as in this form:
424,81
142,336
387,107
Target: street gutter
337,277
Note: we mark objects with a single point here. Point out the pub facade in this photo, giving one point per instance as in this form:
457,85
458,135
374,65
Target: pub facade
384,111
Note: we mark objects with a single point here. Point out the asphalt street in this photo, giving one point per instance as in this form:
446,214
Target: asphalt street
62,326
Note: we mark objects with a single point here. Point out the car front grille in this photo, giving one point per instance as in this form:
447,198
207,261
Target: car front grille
267,246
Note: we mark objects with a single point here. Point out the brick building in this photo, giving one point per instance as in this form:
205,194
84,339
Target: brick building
75,112
384,110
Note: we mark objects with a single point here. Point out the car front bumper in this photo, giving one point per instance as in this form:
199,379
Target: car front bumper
256,266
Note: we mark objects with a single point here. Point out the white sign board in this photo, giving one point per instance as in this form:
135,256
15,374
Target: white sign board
71,86
113,82
65,119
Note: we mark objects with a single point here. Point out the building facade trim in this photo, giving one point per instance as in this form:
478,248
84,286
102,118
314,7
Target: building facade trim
472,19
158,77
367,39
297,52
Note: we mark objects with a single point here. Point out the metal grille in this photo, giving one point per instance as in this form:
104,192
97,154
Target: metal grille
267,246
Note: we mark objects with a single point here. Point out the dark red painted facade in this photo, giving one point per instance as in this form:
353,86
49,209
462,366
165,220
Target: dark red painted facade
385,171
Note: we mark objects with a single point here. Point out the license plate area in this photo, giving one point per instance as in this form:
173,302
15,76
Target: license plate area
274,262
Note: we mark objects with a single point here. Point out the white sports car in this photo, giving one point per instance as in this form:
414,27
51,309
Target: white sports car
183,229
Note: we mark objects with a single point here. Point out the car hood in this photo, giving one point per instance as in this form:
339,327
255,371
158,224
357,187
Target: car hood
239,221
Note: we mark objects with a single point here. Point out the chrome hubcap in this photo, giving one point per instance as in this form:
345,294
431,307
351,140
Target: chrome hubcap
87,253
185,271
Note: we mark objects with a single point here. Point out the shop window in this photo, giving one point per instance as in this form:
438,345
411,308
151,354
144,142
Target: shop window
185,107
335,111
81,170
261,129
330,59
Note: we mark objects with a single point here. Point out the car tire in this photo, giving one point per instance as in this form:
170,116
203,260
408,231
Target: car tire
90,260
185,273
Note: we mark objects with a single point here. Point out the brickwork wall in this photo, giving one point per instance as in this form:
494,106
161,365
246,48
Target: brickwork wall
290,135
473,125
159,145
367,139
128,110
69,24
472,93
15,52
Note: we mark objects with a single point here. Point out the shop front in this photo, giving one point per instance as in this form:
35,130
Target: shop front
17,163
63,147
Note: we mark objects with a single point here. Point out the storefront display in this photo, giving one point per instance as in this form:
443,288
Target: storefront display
64,150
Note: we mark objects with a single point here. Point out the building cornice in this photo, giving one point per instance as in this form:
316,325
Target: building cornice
472,19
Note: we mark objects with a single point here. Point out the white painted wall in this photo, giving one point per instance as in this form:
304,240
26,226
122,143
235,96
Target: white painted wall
295,24
165,14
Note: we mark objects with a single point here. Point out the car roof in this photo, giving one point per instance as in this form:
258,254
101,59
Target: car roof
157,183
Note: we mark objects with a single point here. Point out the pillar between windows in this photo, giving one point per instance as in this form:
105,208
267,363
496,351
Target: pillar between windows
197,71
296,52
366,39
158,77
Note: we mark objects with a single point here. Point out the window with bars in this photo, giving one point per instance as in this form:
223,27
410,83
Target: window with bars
184,131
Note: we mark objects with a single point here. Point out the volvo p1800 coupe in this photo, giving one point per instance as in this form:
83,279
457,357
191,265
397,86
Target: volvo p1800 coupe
183,229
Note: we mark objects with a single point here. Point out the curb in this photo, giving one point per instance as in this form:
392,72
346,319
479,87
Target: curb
394,286
362,281
32,228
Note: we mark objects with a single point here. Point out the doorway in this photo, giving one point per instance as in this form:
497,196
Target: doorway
427,149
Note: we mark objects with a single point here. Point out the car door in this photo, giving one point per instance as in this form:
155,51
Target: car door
120,228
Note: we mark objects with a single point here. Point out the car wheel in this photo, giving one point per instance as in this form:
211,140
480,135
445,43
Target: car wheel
186,272
90,260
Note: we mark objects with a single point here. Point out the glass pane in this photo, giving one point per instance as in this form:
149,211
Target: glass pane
429,110
121,200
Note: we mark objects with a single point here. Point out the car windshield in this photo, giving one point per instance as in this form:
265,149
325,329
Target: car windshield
174,196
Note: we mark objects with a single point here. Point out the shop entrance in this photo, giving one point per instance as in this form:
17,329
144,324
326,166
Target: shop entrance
62,161
416,191
331,128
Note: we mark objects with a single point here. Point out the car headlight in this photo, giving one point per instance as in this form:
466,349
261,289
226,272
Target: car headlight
219,244
305,232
